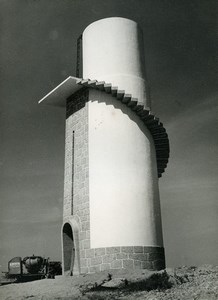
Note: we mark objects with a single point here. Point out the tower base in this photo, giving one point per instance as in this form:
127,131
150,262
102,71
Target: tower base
129,257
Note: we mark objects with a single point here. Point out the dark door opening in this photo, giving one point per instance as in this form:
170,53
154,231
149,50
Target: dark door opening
68,249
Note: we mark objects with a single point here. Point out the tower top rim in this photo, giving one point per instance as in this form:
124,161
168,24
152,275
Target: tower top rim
111,18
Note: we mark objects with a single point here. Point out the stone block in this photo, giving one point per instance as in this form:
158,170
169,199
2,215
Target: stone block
138,256
86,226
88,234
84,218
96,261
84,270
148,249
86,212
154,256
127,249
158,264
86,198
147,265
83,262
122,255
86,244
85,205
99,251
81,186
112,250
105,267
82,234
94,269
89,262
128,264
137,264
116,264
82,254
90,253
108,258
138,249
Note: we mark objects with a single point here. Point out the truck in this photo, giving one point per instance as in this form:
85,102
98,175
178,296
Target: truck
31,268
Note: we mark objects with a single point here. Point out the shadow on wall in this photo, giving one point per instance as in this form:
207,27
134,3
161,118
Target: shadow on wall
108,99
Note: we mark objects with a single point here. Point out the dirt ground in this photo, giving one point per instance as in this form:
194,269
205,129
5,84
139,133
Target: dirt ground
185,283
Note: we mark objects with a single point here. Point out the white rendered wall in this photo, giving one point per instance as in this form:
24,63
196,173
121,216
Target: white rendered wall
123,186
113,52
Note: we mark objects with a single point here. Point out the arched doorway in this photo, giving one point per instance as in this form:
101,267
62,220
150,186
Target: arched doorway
68,249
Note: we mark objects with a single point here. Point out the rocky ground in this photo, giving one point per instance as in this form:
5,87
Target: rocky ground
185,283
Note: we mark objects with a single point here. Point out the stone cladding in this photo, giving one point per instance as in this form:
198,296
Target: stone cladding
76,184
129,257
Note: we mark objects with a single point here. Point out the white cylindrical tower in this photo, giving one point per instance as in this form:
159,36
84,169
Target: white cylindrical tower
115,150
113,52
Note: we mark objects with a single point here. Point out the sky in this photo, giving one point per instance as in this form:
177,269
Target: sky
38,51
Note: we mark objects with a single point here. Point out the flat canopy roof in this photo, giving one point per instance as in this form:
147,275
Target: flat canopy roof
65,89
